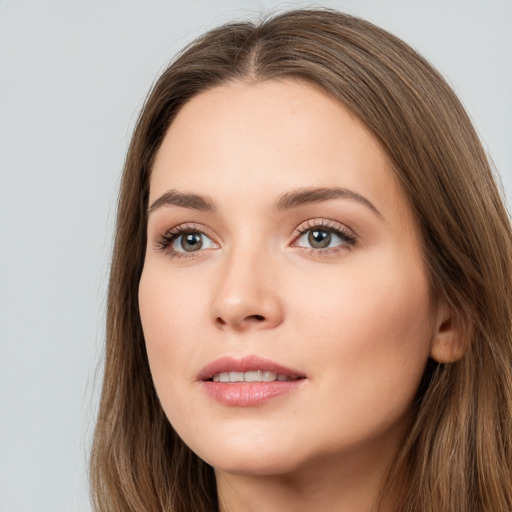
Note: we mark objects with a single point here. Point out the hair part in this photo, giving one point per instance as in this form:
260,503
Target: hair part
458,452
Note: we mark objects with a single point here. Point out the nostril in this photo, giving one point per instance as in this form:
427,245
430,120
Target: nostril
258,318
247,320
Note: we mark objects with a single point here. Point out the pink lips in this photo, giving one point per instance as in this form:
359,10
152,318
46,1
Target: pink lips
245,394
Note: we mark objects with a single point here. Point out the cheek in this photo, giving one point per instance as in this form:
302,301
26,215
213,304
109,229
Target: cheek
371,332
169,315
367,301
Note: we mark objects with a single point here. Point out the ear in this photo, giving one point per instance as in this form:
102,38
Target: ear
450,340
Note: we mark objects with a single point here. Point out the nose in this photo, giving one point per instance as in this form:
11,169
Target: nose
247,295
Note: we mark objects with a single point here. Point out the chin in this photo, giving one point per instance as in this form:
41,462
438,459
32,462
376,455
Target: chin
256,465
251,455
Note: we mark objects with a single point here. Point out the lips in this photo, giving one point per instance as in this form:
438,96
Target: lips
252,376
249,381
249,364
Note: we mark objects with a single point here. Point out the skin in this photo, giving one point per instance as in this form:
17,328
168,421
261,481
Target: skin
356,320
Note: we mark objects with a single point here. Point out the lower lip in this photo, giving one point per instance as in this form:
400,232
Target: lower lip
247,394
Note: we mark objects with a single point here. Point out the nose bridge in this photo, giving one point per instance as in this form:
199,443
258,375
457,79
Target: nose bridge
246,294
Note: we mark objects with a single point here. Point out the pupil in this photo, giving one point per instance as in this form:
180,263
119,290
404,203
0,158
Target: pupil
319,238
191,242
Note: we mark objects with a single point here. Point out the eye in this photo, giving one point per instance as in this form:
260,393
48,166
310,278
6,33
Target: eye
184,239
325,237
190,242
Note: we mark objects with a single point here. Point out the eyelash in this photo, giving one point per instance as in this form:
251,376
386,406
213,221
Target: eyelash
348,238
167,239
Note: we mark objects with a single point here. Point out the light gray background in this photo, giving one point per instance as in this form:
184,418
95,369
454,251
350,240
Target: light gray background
73,77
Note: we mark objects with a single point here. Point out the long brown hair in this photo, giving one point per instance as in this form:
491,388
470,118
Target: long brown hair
458,453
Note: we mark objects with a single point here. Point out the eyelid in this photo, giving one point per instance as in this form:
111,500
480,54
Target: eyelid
167,238
347,236
323,223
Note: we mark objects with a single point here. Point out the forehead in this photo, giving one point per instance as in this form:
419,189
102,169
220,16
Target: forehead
264,138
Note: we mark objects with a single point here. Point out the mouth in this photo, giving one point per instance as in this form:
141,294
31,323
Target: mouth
248,369
249,381
252,376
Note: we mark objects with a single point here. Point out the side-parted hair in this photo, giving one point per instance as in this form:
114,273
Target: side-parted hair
457,455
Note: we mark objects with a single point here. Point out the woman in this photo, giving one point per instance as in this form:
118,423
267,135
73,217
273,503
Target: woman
311,287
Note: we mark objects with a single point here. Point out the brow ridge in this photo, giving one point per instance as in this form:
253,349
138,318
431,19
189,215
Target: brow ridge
289,200
304,196
183,199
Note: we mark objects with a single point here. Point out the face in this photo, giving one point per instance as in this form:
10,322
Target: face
284,299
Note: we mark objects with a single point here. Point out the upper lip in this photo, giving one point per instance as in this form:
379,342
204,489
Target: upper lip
245,364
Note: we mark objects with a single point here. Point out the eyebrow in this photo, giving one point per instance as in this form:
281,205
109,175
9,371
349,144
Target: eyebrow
287,201
303,196
185,200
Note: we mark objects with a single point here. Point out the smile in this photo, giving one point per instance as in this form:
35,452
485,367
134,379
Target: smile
250,381
253,376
